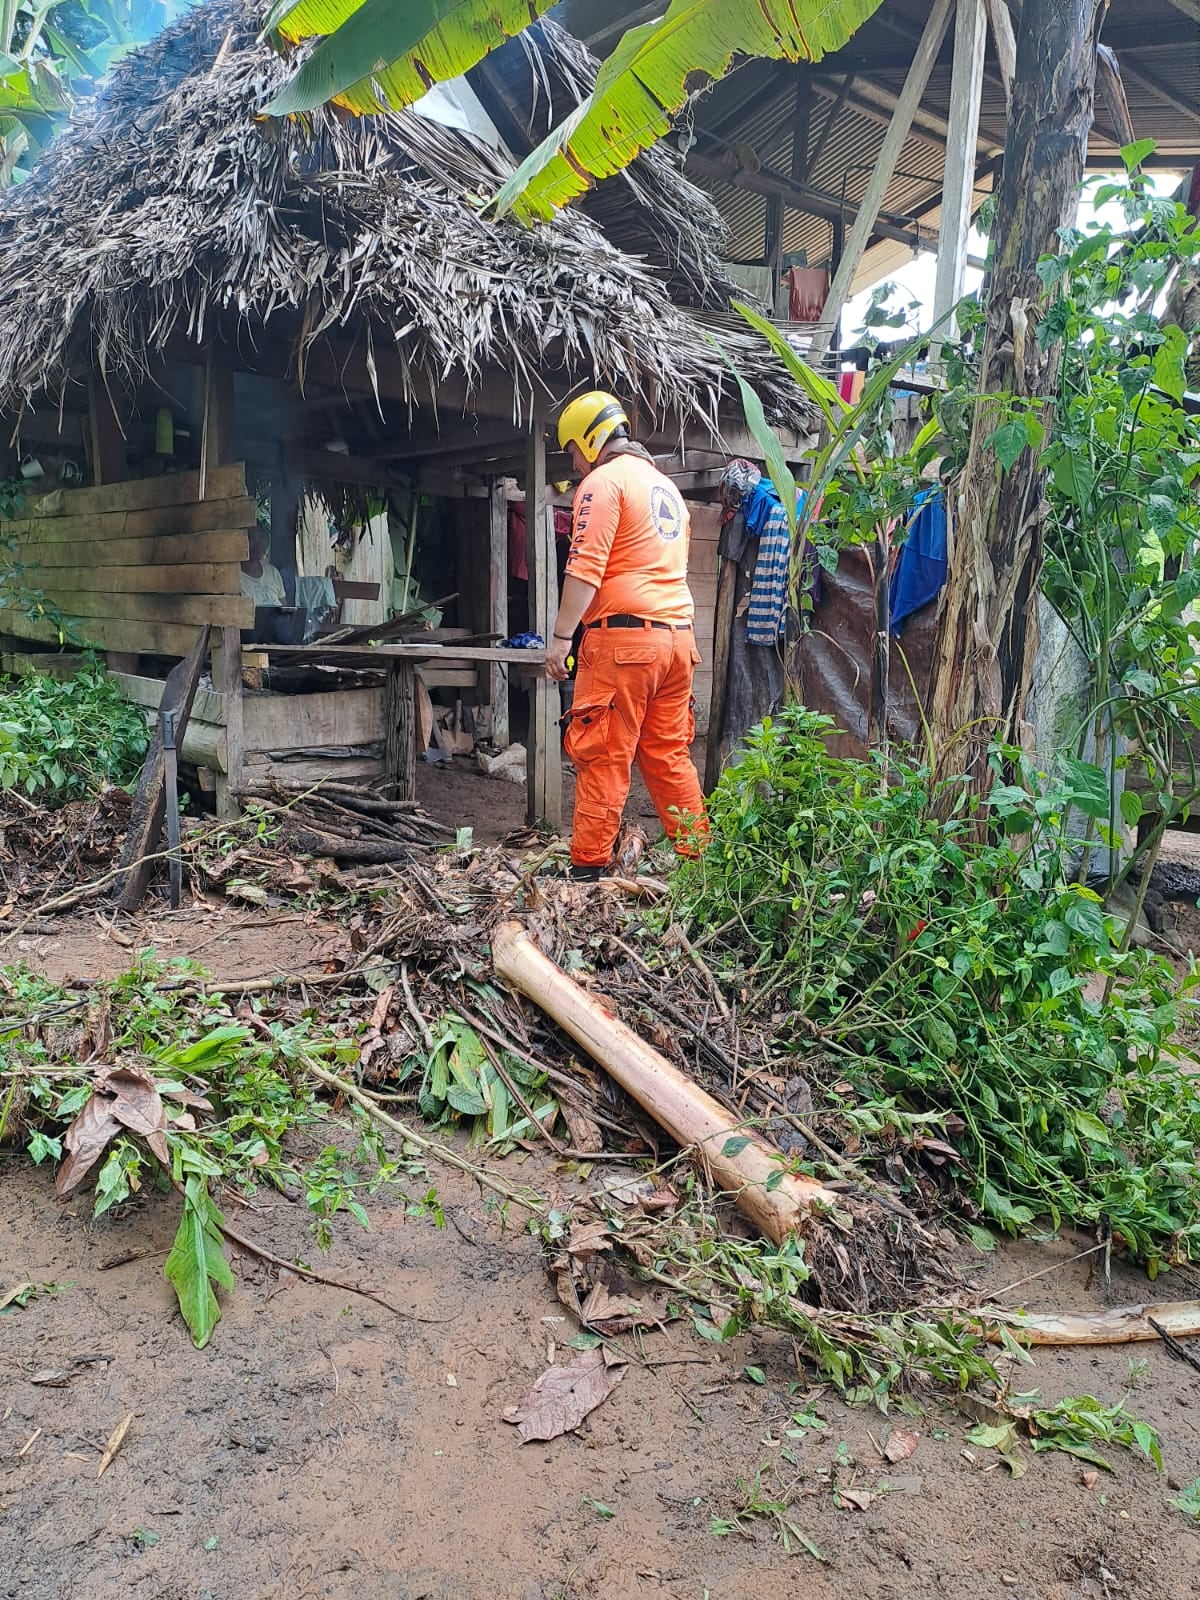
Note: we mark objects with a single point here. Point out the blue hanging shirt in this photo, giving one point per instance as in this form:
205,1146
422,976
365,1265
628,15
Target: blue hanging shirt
766,520
921,565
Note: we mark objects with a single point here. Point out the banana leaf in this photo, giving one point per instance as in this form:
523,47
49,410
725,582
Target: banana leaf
652,73
379,53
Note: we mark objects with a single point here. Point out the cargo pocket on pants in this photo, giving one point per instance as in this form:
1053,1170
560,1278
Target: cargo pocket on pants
586,734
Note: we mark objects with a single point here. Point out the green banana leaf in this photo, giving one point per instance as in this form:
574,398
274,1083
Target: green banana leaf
650,76
382,53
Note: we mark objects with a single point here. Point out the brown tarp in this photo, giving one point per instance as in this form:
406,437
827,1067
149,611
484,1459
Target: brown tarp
832,662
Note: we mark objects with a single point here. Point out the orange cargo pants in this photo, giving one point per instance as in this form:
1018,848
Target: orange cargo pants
633,702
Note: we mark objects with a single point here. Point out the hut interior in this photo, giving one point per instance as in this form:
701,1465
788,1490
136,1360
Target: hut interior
232,332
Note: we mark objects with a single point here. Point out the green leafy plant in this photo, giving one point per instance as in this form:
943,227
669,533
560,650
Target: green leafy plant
772,1506
464,1078
375,54
1189,1501
64,738
920,971
236,1109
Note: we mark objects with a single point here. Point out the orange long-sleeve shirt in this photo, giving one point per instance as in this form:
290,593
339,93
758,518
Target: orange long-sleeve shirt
630,539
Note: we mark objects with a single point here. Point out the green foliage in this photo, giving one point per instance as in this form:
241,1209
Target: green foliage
934,973
196,1264
1189,1501
261,1124
61,739
464,1080
52,55
375,54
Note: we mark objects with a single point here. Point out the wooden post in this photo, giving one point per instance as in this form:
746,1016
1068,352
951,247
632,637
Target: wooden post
107,440
400,730
217,431
216,450
1006,43
722,643
107,446
498,599
988,633
227,680
544,795
885,165
285,514
966,91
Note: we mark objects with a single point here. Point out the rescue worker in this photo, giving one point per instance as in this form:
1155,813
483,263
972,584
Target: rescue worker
626,582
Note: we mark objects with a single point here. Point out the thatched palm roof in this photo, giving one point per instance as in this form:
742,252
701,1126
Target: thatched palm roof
169,206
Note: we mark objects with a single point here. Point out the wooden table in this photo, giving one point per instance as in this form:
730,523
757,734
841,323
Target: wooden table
400,661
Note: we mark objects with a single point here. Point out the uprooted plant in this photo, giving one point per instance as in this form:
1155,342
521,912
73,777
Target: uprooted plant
916,969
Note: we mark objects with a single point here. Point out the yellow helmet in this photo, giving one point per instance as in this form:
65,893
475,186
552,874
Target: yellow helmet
590,422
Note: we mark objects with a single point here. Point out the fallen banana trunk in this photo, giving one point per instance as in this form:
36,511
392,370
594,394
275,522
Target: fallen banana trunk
775,1200
1179,1319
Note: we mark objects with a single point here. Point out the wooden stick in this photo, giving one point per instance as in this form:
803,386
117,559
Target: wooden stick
692,1117
1123,1325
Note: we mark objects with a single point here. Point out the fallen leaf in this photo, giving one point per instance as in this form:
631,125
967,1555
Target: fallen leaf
51,1378
614,1309
859,1499
588,1239
116,1440
563,1396
900,1444
1089,1479
14,1294
86,1141
137,1105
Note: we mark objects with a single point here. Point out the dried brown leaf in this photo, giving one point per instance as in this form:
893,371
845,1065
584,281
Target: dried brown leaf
51,1378
86,1141
901,1443
563,1396
857,1499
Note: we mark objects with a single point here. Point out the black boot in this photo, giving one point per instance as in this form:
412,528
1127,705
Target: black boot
586,874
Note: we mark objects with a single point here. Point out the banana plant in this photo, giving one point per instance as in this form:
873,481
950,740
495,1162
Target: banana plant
377,54
54,51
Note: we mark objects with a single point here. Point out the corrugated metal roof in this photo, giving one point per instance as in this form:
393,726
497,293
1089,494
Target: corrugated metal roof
754,109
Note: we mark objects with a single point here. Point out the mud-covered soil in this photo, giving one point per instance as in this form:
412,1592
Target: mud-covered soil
322,1447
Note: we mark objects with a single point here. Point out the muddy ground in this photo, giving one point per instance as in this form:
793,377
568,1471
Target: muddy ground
323,1447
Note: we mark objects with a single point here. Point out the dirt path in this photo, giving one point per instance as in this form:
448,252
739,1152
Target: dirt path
321,1447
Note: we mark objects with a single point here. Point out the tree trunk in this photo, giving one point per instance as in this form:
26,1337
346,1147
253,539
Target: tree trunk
988,633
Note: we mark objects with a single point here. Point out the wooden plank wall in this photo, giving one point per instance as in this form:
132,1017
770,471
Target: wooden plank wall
139,564
702,579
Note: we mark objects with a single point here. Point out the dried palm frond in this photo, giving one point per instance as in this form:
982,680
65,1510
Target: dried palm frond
170,205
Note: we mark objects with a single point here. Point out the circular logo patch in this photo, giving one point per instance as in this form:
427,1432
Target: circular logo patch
666,512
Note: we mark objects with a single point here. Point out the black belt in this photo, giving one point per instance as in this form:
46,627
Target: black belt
624,620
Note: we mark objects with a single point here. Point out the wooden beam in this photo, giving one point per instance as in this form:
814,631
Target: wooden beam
217,430
544,792
1005,41
107,440
889,154
141,494
171,550
498,600
958,181
105,530
801,197
830,124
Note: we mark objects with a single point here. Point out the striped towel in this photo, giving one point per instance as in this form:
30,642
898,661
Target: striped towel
766,519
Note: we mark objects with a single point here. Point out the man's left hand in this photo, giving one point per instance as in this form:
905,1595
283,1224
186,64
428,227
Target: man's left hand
557,651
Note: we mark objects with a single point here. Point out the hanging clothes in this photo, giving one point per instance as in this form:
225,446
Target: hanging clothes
920,570
766,520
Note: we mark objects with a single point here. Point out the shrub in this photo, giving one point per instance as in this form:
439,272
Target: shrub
62,739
